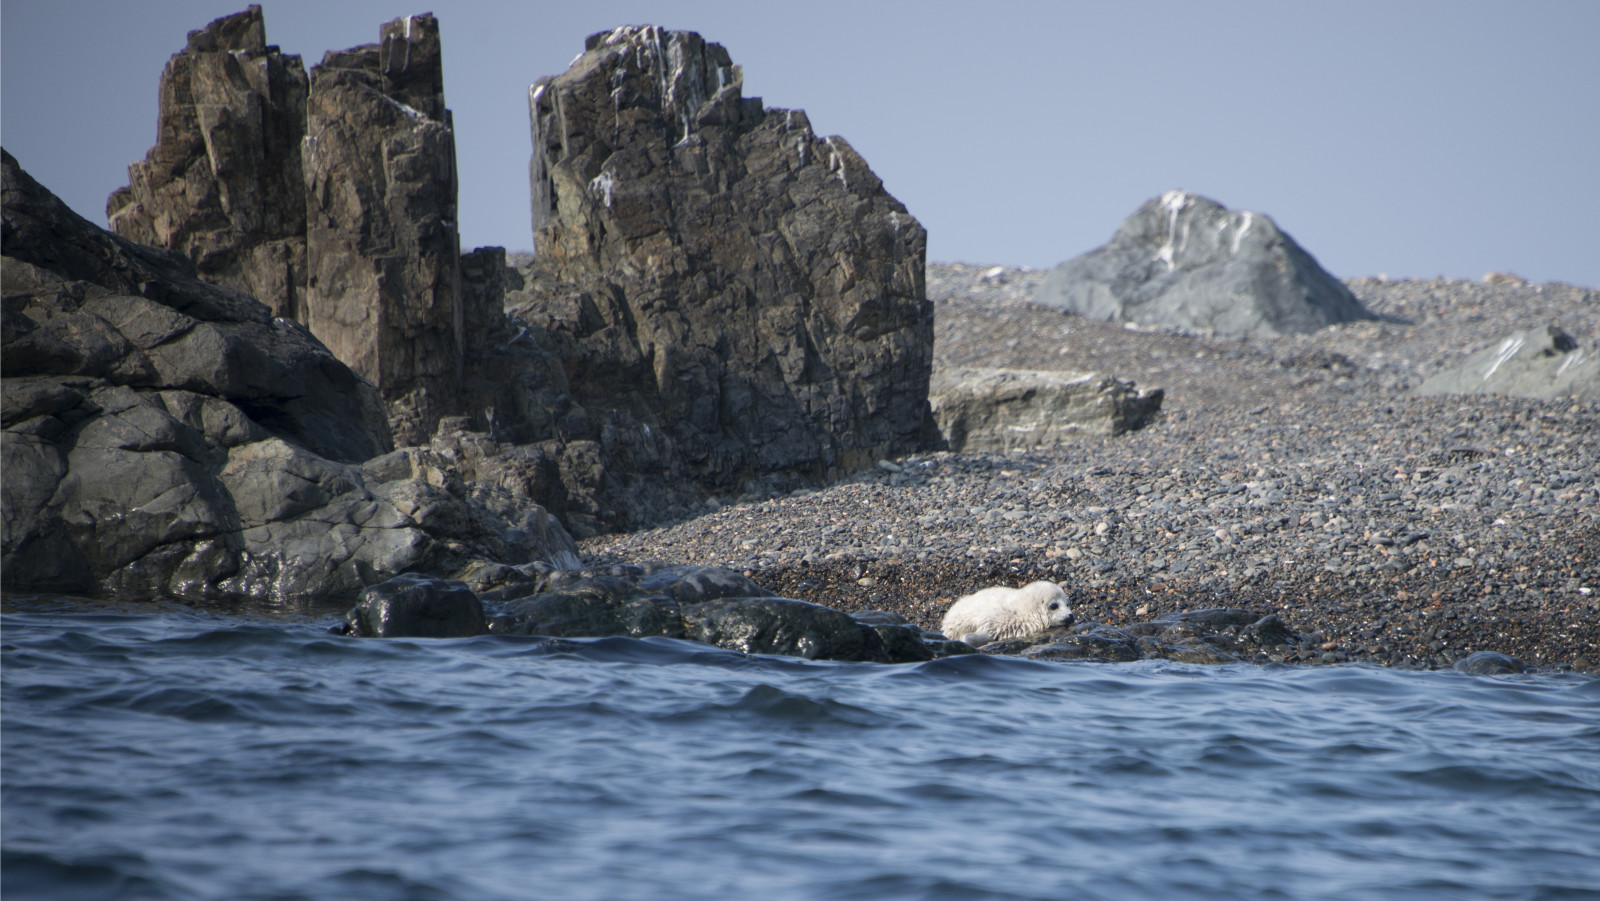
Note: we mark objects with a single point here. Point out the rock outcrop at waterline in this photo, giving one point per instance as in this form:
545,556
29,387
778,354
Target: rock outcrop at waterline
737,304
1182,261
720,607
167,436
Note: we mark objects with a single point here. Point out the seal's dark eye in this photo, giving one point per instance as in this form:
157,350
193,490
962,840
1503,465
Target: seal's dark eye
1054,605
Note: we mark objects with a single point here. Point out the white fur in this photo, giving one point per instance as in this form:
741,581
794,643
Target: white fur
996,614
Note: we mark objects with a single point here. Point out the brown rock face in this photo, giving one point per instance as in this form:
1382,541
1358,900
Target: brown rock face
736,302
380,183
223,184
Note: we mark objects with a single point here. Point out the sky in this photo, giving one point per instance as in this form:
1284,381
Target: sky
1408,138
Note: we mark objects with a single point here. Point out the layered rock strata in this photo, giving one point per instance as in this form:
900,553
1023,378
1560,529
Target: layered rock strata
223,183
1184,262
735,302
986,409
167,436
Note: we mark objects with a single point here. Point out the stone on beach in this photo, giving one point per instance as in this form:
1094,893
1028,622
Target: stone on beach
1539,362
981,409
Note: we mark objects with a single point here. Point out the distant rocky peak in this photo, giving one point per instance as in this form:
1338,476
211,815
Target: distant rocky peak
1187,229
1187,262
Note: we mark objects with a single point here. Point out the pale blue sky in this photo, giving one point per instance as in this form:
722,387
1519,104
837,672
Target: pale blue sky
1405,137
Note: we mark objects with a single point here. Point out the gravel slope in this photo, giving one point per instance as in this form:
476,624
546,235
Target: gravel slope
1295,475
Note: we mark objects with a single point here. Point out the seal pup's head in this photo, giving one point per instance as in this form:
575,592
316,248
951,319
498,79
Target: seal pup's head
1051,600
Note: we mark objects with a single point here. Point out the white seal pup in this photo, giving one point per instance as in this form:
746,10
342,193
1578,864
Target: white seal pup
996,614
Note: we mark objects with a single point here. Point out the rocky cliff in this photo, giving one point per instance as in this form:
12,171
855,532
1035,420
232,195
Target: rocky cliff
737,304
167,436
223,183
1185,262
722,302
384,286
331,199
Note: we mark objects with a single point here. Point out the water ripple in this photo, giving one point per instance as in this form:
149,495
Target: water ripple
174,754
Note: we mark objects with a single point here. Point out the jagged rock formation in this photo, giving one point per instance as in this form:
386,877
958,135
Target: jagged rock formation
223,183
384,288
723,303
735,303
1013,409
332,199
167,436
1185,262
1540,362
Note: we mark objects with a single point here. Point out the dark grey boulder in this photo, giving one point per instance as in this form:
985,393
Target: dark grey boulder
1211,617
167,436
593,608
1188,650
1540,362
907,642
707,604
1098,645
1490,663
1184,262
1269,630
693,584
1210,636
782,626
417,606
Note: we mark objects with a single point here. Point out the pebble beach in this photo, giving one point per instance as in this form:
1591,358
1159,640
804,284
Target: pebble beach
1295,475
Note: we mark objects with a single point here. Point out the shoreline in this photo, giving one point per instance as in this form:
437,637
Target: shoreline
1295,475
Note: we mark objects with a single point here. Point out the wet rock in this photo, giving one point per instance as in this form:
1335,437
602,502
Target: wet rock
416,606
1185,262
693,584
168,436
1191,651
1490,663
593,608
1087,646
906,642
706,604
1540,363
783,626
1212,618
1268,631
223,183
721,301
1011,409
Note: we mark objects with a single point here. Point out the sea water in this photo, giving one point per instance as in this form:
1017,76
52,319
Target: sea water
173,753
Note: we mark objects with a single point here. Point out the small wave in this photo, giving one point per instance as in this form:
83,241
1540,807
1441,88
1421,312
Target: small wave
175,755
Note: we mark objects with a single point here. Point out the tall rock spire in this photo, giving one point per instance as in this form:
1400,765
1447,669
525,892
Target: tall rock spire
223,184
